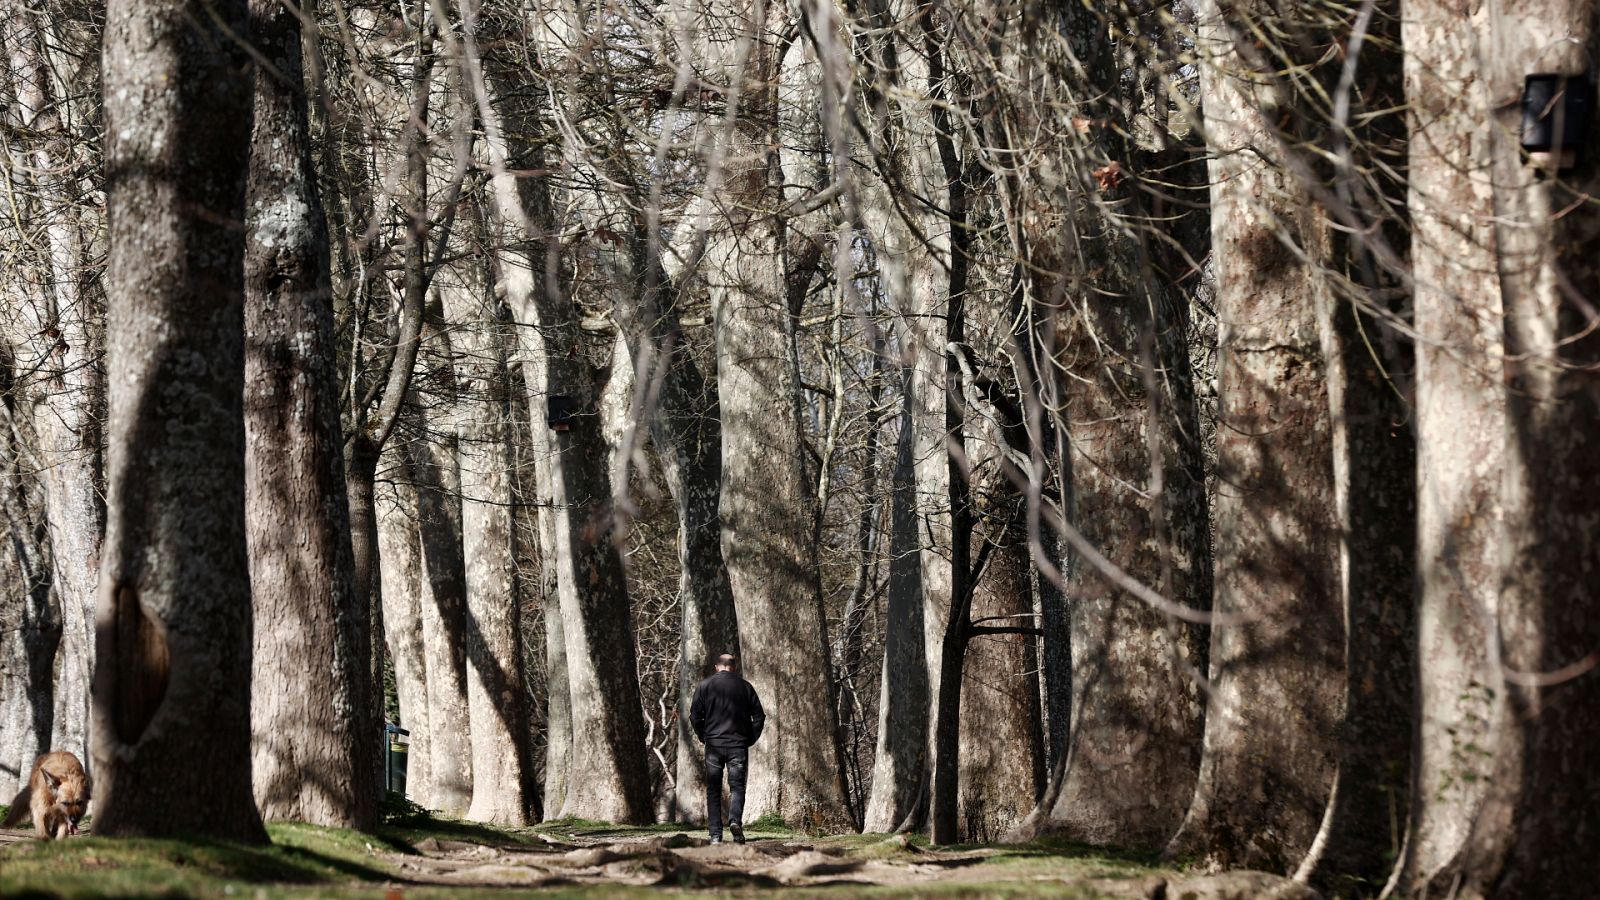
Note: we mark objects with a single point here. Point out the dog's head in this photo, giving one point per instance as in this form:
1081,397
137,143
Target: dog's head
72,796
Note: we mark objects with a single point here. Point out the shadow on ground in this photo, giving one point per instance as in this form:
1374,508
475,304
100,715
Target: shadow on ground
417,856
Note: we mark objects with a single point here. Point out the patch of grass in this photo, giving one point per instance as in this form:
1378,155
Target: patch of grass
308,861
770,822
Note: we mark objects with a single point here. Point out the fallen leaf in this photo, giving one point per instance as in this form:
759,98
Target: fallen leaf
1109,175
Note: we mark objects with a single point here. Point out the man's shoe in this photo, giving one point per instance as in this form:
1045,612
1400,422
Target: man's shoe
738,832
716,839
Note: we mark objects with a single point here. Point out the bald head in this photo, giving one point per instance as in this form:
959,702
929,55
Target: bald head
727,662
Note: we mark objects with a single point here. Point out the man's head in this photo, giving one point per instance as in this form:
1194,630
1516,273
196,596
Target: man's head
727,662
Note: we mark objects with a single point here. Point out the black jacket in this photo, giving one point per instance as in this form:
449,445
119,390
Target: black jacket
726,712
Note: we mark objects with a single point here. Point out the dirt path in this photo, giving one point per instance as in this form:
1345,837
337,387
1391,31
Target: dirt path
676,860
601,858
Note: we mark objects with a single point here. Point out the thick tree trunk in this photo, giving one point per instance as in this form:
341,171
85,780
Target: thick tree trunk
1002,736
171,690
768,509
1126,773
31,631
312,738
912,241
900,770
1459,470
60,353
608,777
443,605
1375,486
687,431
401,577
1536,835
502,784
1277,701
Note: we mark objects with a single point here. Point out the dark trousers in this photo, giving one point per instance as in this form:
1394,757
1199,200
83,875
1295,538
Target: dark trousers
737,761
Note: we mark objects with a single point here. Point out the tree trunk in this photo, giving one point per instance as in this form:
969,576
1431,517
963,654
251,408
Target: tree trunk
65,380
312,738
1375,487
899,771
1002,736
400,575
1459,470
1536,835
31,633
502,784
1137,494
687,432
1272,727
912,239
436,473
609,777
768,508
371,433
171,690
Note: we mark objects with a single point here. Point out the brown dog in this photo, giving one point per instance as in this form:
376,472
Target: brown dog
57,794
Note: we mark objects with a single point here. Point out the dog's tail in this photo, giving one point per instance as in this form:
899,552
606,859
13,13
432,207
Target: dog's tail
20,809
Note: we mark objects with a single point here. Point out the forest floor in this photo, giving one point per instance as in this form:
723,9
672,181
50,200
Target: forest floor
420,856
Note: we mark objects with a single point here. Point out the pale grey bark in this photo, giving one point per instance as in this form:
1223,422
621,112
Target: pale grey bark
608,777
1277,699
400,579
900,768
29,628
911,241
65,383
311,733
1536,835
171,724
768,507
435,471
1459,379
502,788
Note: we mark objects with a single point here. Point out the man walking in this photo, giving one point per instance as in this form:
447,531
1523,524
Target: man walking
726,716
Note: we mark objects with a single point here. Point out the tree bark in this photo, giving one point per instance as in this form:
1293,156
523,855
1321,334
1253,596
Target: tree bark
608,777
1002,732
1536,835
1459,470
1126,772
900,767
435,470
768,508
400,575
65,380
686,428
32,632
502,785
1375,475
312,738
907,215
1277,671
171,689
371,433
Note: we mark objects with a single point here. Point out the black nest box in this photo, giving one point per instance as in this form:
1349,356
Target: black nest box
1556,113
562,410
